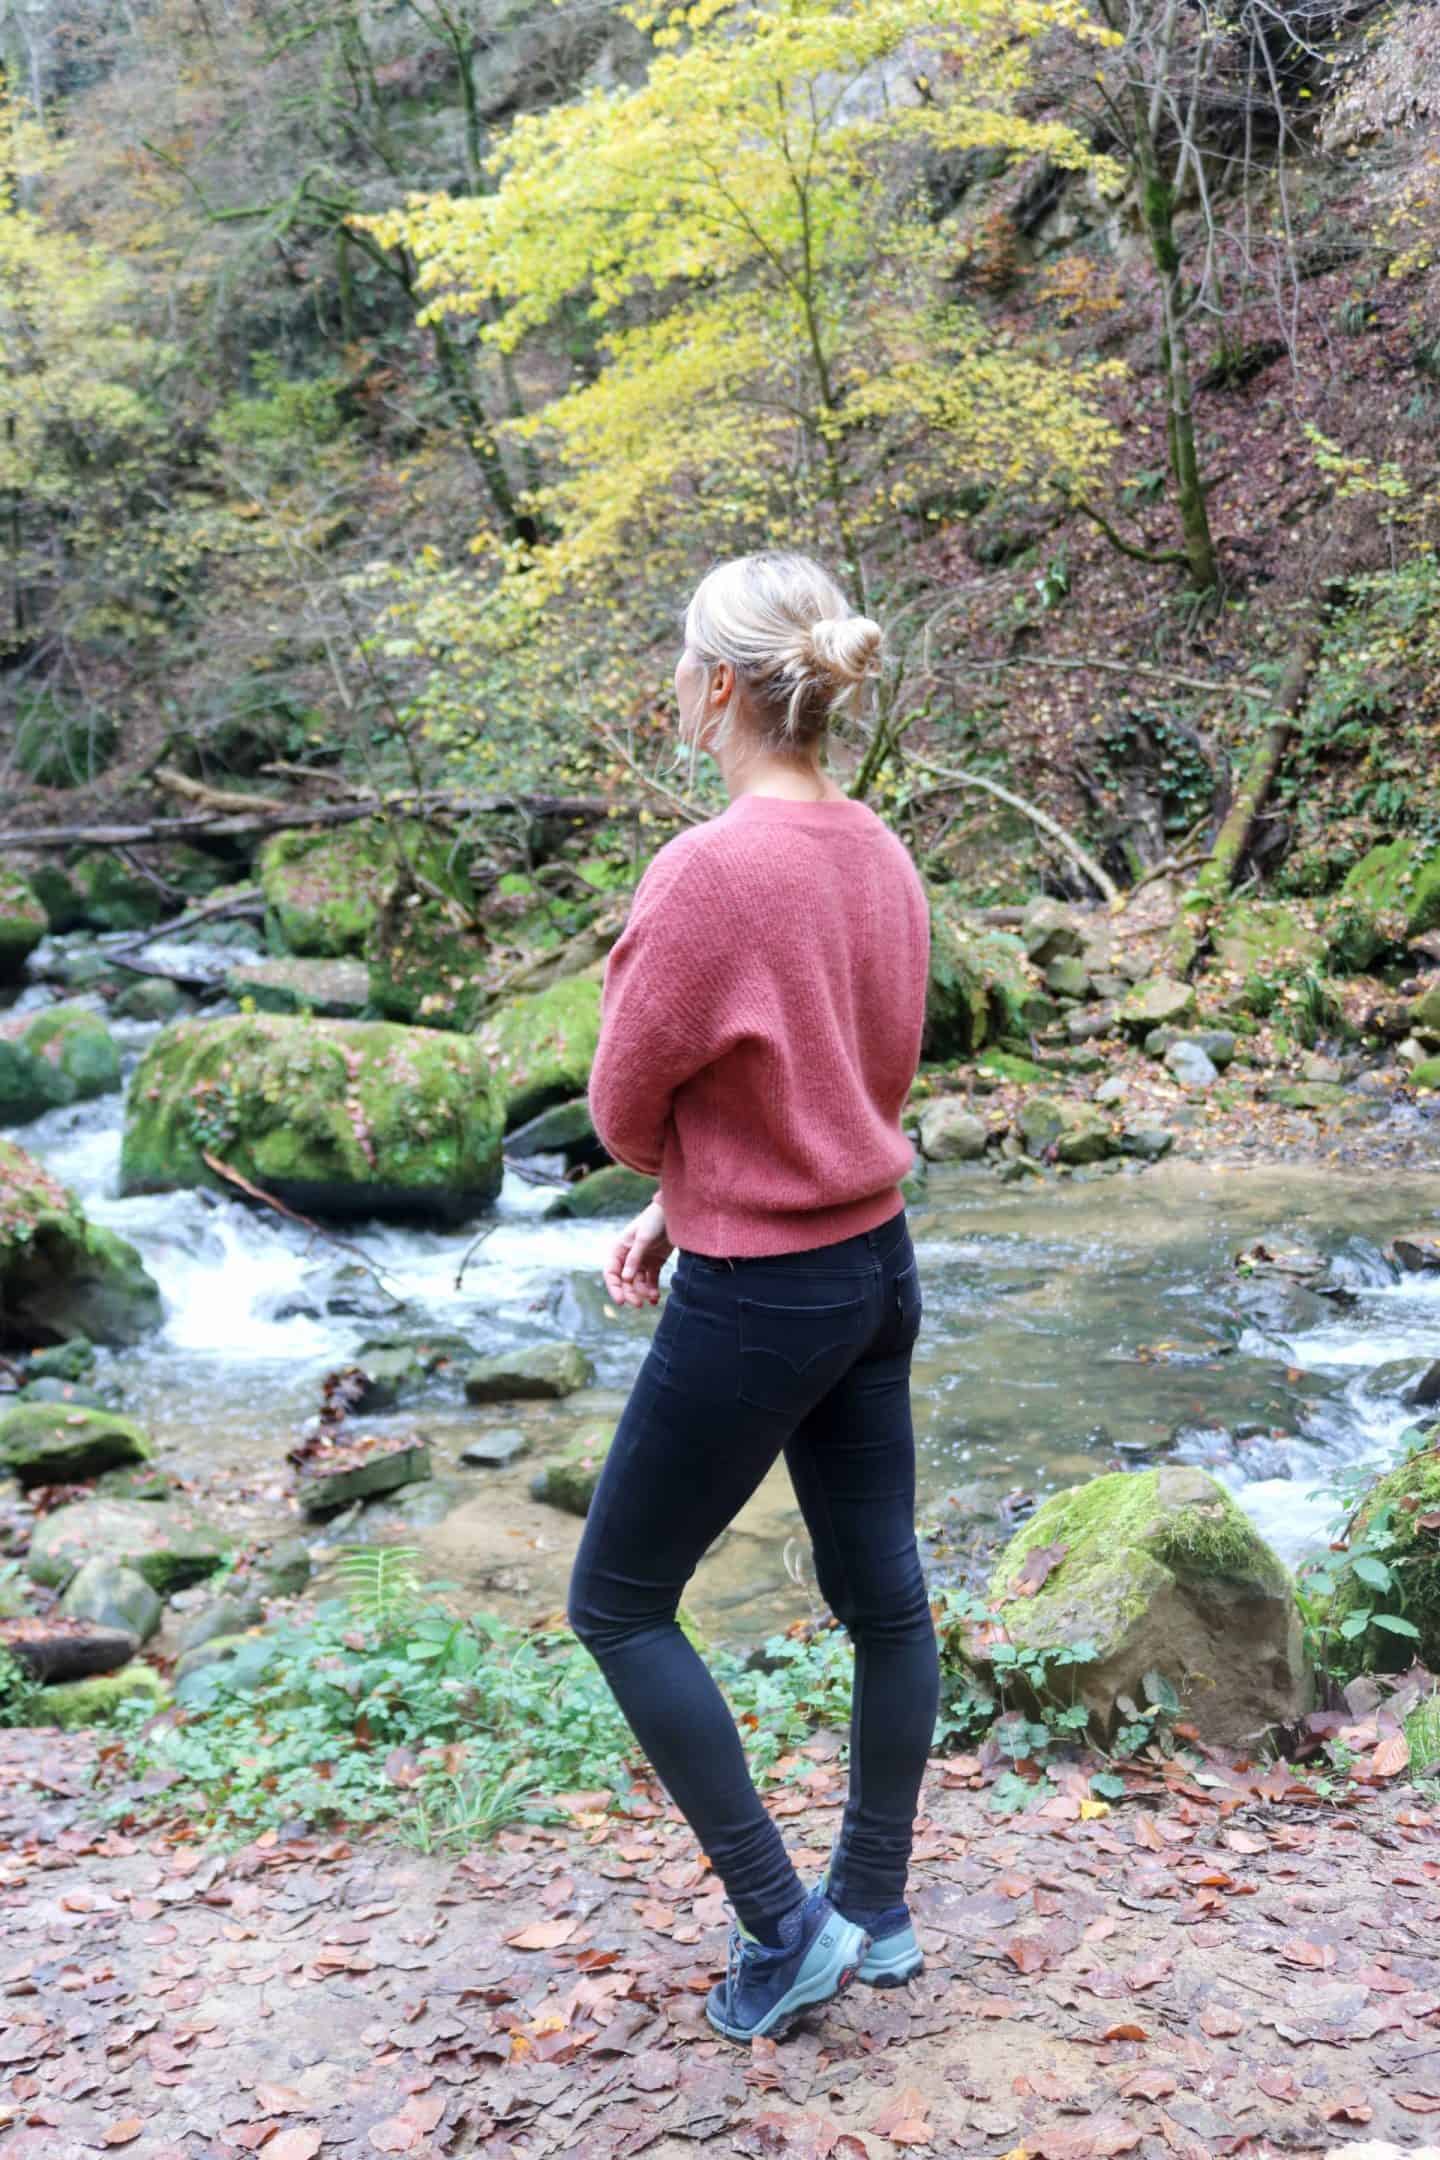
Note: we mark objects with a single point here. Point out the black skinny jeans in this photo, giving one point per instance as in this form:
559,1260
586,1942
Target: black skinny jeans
808,1353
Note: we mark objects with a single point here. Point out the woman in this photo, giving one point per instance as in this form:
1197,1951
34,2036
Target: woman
760,1031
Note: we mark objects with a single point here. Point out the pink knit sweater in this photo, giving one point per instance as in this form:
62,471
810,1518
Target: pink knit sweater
761,1026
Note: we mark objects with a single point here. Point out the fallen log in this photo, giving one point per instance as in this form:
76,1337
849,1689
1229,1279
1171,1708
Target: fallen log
218,825
56,1647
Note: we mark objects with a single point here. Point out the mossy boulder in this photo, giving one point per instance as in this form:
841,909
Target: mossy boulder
569,1480
60,1275
1267,938
1405,1504
1076,1132
94,1702
23,922
978,988
1158,1003
613,1191
1391,895
427,963
167,1542
322,888
113,1596
1158,1572
151,998
334,1117
60,1055
541,1047
539,1372
568,1129
330,989
54,1443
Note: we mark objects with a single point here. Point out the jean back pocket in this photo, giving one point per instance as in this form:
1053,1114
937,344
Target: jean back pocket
791,1355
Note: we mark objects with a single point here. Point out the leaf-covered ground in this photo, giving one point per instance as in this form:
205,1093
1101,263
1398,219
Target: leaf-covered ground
1220,1964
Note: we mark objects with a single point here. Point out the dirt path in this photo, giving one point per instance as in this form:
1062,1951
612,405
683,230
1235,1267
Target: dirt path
1216,1968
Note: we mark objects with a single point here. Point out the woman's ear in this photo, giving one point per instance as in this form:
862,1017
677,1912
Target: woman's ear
721,685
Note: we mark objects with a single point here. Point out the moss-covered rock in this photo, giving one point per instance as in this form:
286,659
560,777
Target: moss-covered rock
61,1275
115,895
113,1596
1268,938
23,923
427,963
1404,1504
538,1372
168,1542
1391,895
1078,1132
60,1055
339,1117
567,1130
541,1047
1158,1003
322,889
94,1702
978,988
151,997
1159,1572
54,1443
613,1191
330,989
569,1480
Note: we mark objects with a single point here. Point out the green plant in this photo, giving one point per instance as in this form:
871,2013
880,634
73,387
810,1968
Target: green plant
1422,1733
1356,1596
18,1691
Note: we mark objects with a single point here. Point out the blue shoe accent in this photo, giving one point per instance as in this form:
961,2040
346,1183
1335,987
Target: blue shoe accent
819,1954
894,1955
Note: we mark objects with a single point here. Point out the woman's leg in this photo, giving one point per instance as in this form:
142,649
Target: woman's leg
684,1461
852,1462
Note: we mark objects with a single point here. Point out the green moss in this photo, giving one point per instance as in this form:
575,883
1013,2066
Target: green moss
541,1047
49,1443
1123,1509
166,1542
978,989
23,923
1391,895
79,1046
325,891
1007,1065
425,968
1267,938
613,1191
94,1702
351,1117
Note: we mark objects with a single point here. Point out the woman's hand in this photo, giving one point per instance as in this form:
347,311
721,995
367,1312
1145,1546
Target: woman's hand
632,1273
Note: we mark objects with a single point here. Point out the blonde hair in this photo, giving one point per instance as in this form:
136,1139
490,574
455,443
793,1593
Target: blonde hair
787,630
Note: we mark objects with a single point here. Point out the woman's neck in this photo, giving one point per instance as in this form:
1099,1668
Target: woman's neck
765,773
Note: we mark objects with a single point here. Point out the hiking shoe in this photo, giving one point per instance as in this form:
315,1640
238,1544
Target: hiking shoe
894,1954
819,1954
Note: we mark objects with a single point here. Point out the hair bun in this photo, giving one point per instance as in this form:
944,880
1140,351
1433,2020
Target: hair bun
846,646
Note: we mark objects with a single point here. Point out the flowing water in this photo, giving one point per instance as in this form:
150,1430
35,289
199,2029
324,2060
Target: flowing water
1070,1327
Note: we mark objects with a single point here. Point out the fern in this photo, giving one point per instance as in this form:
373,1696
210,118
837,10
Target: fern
381,1584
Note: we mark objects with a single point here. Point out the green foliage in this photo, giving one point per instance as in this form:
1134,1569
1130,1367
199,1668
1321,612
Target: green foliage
1356,1603
286,417
19,1691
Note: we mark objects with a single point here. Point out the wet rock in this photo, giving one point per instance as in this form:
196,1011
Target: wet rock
1091,1026
114,1596
65,1391
417,1507
59,1273
152,997
1417,1252
540,1048
614,1191
242,1656
335,1117
397,1368
1159,1040
331,989
1161,1571
540,1371
1187,1063
1276,1257
226,1615
94,1702
569,1481
325,1486
23,924
951,1132
136,1481
493,1450
1426,1391
1157,1003
1111,1092
1076,1131
568,1129
1018,1170
70,1360
59,1443
1051,932
171,1545
1146,1139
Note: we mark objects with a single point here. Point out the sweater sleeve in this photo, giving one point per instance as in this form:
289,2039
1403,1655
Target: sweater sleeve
666,1011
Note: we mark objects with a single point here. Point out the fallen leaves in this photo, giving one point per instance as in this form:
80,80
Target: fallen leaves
543,1935
903,2122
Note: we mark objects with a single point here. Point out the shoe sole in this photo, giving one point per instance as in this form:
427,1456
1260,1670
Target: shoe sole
899,1974
819,1987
